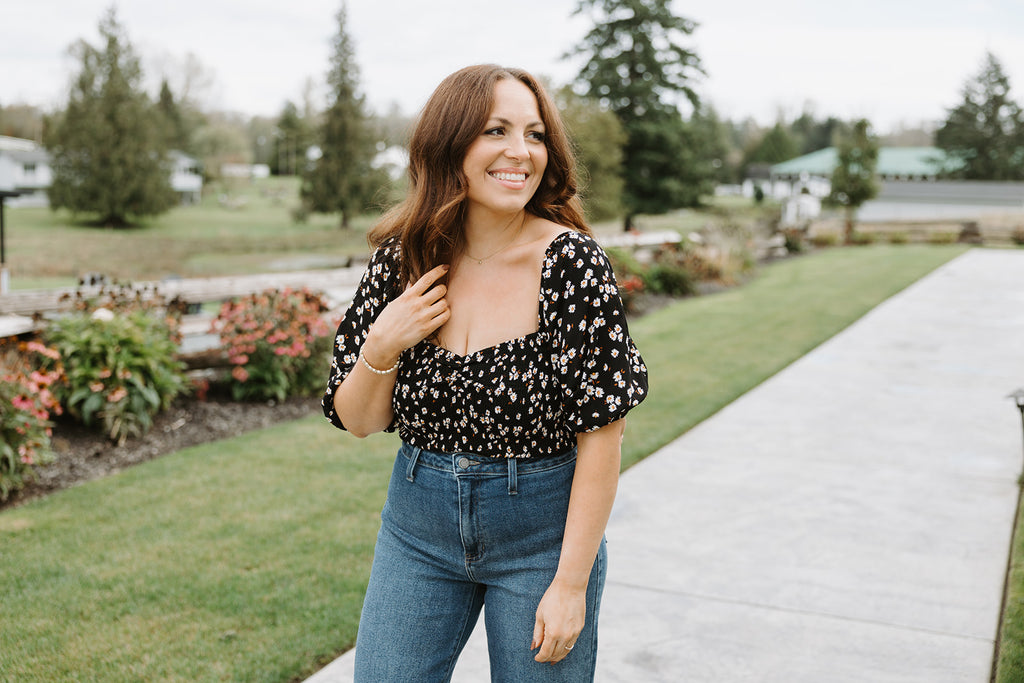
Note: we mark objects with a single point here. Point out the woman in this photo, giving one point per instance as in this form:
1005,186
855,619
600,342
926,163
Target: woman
488,330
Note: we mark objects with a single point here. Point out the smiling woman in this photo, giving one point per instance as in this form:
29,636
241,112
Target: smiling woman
489,332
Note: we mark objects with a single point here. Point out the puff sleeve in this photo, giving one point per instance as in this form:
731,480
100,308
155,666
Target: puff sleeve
599,368
377,287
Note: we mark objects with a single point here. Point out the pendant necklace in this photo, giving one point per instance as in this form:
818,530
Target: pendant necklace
480,261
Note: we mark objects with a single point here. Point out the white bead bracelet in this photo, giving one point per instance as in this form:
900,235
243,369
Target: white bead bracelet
375,370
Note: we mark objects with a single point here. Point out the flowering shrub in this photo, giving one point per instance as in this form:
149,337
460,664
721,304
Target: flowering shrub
120,368
26,403
125,299
276,341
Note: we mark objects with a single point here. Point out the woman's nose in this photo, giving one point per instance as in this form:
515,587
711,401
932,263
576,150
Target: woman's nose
516,148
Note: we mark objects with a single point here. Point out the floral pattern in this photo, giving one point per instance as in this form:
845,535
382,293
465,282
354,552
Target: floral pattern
524,397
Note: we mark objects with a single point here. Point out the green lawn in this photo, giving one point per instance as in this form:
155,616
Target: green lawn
1010,663
46,248
246,559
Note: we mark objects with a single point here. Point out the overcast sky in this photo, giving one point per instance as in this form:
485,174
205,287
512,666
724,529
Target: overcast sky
893,61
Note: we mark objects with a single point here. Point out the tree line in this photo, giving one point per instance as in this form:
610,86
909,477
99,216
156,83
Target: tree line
645,140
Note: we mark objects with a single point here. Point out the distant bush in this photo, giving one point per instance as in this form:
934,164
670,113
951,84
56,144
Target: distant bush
862,238
276,341
898,237
794,241
825,239
26,404
120,369
1018,236
942,237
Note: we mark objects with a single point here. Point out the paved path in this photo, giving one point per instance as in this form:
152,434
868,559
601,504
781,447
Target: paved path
846,521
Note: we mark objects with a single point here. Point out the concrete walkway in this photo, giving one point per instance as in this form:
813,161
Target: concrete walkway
846,521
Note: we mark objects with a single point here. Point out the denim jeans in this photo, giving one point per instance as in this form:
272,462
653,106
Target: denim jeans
458,531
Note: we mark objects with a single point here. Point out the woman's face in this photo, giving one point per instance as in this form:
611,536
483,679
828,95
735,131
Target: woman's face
506,162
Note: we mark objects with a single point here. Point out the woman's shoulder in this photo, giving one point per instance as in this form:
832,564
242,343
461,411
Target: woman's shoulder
571,249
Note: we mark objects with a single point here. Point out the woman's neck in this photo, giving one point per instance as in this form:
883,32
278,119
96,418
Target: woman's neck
486,234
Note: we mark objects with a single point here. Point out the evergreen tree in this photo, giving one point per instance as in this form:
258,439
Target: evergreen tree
292,138
598,139
854,180
776,146
108,148
342,180
635,66
986,130
175,127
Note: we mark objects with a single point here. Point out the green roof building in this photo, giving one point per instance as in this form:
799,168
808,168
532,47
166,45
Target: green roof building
894,163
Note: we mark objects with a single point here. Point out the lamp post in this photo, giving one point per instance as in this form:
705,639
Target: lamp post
1018,397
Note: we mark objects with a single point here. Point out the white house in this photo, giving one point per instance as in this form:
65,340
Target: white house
186,177
24,169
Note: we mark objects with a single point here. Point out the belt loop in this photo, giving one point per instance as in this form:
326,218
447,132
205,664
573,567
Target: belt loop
412,463
512,484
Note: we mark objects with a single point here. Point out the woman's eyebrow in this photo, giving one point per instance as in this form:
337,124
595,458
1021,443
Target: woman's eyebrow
506,122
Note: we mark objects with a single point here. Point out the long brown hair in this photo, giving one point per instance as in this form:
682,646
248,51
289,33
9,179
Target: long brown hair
429,223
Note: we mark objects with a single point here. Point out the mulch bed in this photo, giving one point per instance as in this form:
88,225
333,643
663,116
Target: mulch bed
82,454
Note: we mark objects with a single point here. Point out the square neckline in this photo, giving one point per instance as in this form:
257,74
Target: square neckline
521,339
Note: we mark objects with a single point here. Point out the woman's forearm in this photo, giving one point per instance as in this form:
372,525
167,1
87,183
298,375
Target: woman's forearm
594,484
363,401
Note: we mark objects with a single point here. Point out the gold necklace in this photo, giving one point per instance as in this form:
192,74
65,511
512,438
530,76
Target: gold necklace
480,261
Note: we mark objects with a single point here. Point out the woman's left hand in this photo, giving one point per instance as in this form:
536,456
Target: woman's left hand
560,618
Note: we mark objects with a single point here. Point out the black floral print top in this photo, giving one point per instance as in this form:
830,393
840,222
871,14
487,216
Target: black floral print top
524,397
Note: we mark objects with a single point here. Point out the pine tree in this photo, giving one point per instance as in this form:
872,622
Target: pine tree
342,180
636,67
291,140
598,139
854,180
986,130
175,127
108,146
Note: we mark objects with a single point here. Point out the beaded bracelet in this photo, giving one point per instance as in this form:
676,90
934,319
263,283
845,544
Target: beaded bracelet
375,370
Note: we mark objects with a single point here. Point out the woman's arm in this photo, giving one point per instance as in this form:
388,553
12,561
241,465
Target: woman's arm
562,610
363,401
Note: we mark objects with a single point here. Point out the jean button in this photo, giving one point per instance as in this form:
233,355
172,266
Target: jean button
463,462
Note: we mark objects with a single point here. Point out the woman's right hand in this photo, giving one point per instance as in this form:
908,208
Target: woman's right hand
407,320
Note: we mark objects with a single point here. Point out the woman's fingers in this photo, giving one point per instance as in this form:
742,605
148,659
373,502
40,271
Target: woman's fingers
427,279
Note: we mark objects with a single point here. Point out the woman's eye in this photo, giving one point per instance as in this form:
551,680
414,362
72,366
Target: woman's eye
536,136
494,131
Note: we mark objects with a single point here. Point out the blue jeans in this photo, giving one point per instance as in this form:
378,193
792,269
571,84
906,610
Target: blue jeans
460,530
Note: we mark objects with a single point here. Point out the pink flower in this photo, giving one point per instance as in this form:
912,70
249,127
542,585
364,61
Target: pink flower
240,359
240,373
52,354
117,395
23,403
96,387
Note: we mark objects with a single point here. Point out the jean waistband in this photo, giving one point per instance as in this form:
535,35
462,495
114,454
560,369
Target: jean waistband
462,464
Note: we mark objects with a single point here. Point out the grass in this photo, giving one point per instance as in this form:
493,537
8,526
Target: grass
1010,660
247,559
46,248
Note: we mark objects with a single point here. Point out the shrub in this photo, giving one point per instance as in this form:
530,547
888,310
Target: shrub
120,369
630,289
669,278
862,238
942,237
1017,236
825,239
124,298
898,237
794,241
26,403
276,341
